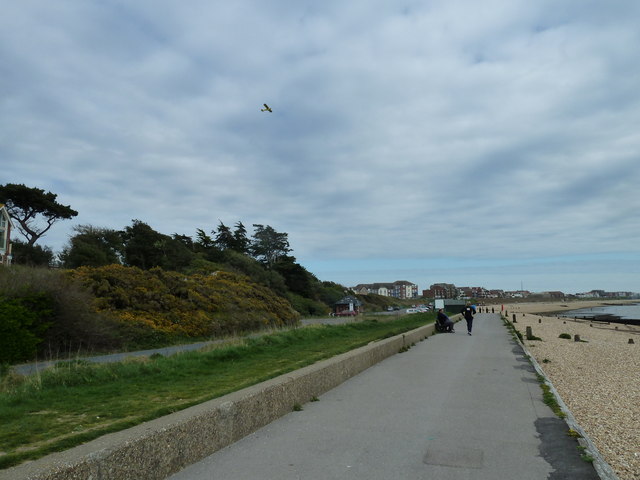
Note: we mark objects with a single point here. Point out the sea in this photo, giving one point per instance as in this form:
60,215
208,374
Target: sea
608,313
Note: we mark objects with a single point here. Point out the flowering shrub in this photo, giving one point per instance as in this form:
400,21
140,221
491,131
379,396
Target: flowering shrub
187,305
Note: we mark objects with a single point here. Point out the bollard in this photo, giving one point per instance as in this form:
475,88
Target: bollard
514,318
631,341
529,333
539,320
576,338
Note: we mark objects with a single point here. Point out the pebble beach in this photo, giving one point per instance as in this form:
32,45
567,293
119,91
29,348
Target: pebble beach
598,378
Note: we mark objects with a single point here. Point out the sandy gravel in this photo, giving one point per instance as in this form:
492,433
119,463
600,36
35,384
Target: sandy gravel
598,379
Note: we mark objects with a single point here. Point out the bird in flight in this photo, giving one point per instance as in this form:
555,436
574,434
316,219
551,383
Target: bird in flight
266,108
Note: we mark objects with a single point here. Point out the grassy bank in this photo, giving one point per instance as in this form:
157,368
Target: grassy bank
76,402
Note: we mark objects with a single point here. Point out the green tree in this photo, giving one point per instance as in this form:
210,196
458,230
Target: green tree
25,205
143,246
267,245
206,247
31,255
330,292
296,277
178,253
240,240
237,240
203,240
185,240
23,321
92,247
224,237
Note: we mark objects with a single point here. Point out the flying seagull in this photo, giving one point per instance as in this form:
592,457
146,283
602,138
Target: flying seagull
266,108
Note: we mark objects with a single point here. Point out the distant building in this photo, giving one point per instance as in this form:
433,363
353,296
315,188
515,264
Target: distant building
347,306
360,289
403,289
441,290
603,294
496,293
5,236
383,289
517,294
554,295
399,289
465,292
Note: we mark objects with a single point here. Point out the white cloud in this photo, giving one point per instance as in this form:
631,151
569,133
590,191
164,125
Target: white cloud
433,129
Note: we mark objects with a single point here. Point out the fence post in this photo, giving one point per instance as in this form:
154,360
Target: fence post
529,333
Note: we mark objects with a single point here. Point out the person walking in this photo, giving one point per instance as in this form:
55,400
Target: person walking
467,312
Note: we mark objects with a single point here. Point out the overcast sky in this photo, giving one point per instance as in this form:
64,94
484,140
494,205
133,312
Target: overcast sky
491,143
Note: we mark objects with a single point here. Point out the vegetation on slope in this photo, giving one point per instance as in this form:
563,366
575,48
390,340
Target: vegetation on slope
56,314
213,305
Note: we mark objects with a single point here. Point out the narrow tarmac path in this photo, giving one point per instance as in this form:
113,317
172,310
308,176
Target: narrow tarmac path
34,367
452,407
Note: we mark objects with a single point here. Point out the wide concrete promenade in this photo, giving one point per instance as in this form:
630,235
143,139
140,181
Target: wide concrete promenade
452,407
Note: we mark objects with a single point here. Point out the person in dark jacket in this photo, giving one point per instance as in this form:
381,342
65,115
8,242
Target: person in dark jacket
446,322
468,312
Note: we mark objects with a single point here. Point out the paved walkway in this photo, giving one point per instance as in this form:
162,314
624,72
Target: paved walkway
453,407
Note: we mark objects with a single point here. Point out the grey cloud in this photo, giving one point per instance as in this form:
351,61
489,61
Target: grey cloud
402,130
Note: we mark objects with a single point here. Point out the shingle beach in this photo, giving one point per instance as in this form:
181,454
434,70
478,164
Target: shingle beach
598,377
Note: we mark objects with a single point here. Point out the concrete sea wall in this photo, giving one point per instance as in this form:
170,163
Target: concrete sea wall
156,449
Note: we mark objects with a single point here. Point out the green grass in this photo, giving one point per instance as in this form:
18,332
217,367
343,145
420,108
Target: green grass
549,398
587,458
79,401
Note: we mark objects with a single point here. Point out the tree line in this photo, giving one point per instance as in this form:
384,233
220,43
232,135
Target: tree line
139,245
264,256
136,245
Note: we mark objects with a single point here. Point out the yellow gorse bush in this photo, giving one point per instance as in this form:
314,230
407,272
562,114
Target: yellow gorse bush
191,305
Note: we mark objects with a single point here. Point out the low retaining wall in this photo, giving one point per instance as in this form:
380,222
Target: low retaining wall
161,447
